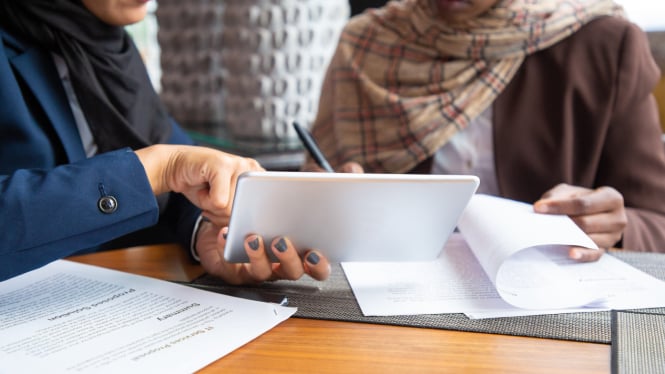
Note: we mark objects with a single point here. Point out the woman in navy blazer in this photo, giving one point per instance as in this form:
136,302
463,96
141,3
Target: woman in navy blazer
80,169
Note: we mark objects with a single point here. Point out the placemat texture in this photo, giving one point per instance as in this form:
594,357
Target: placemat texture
333,300
638,342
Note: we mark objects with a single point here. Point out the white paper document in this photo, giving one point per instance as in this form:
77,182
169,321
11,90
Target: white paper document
68,317
507,261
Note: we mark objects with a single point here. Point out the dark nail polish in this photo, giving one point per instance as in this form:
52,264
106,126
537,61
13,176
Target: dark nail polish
313,258
281,245
254,244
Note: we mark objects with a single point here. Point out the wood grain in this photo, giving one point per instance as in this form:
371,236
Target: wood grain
314,346
169,261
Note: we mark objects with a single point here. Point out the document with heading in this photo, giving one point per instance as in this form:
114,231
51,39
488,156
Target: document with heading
68,317
507,260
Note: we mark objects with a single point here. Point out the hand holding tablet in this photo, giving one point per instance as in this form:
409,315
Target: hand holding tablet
350,217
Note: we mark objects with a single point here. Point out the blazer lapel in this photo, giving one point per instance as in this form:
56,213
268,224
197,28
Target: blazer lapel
39,73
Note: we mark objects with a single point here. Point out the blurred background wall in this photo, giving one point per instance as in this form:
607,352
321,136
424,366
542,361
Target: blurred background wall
197,28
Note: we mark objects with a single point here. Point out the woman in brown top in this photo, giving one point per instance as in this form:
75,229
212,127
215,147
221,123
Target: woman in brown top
548,101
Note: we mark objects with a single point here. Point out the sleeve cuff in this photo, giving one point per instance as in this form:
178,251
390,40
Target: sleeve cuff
195,231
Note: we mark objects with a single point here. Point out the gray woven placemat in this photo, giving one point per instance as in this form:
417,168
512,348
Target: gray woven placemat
334,300
638,342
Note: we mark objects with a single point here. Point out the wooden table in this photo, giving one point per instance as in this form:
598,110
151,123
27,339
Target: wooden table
313,346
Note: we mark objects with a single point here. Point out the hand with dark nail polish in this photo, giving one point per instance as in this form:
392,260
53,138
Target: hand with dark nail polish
313,258
254,244
281,245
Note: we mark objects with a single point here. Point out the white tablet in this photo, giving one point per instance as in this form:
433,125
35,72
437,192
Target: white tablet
349,217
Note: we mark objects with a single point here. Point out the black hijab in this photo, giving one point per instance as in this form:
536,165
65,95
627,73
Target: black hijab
106,70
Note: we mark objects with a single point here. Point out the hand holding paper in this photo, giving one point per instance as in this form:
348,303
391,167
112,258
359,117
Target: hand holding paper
516,262
598,212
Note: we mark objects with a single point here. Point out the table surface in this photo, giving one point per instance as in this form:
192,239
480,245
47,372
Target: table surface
304,346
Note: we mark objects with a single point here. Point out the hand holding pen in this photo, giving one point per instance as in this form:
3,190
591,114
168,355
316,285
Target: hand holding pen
314,151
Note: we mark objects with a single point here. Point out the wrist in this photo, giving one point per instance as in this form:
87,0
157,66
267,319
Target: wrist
201,221
155,160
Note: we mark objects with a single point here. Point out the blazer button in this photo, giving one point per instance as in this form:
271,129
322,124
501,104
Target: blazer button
107,204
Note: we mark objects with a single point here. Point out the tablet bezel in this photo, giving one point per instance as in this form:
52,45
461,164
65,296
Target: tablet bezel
349,217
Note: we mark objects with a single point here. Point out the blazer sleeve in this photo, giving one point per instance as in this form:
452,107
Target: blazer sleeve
50,214
635,156
49,191
177,215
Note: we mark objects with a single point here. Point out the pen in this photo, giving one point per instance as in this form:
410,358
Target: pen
313,149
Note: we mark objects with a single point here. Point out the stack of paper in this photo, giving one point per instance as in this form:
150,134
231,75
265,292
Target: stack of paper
506,261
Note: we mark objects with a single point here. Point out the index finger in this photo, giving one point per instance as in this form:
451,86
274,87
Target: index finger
222,184
316,265
290,264
581,204
215,197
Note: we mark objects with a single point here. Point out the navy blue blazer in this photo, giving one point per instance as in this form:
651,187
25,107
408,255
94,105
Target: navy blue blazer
49,190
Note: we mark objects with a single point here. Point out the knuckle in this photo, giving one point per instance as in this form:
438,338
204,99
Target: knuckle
581,204
560,186
613,194
249,164
620,223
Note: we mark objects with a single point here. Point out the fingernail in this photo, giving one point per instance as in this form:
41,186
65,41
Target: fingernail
541,208
254,244
280,245
575,255
313,258
225,234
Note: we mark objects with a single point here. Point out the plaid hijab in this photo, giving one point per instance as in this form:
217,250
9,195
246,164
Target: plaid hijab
401,82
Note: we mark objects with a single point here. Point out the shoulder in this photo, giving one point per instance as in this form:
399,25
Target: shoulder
611,32
609,26
605,37
601,51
